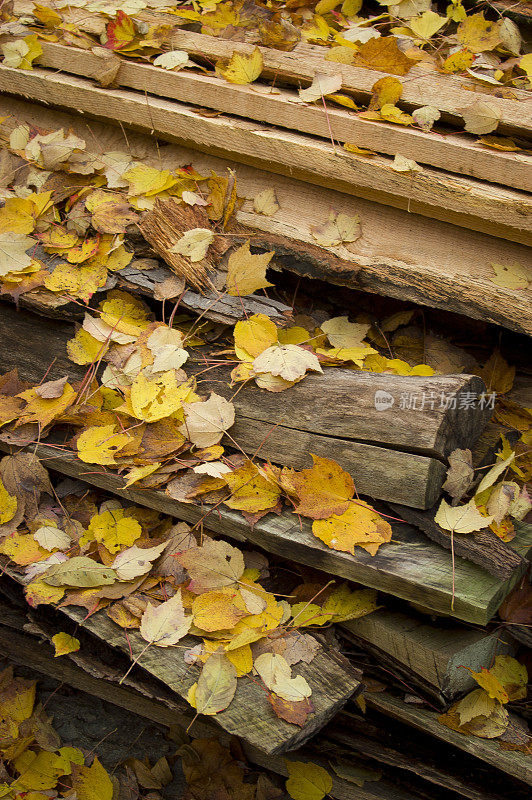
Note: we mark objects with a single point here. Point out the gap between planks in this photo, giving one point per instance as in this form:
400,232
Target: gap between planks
454,153
465,202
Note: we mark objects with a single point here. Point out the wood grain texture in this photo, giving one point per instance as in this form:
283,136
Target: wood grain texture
410,567
454,153
400,254
461,201
395,455
438,656
513,762
421,86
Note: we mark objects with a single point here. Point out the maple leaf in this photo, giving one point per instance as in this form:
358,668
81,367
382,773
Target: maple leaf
22,53
242,68
215,611
288,361
251,490
121,31
246,272
207,421
213,565
113,529
384,55
100,444
165,624
294,711
338,229
254,335
478,34
359,525
322,490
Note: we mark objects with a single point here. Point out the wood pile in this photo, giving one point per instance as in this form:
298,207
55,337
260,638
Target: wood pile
405,293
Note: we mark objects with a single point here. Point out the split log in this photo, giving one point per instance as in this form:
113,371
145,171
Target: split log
456,153
473,204
438,658
410,567
394,453
401,254
518,765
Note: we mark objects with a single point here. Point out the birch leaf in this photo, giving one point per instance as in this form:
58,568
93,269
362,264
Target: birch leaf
136,561
174,59
322,84
242,68
307,781
481,117
461,519
13,256
194,244
64,644
207,421
166,624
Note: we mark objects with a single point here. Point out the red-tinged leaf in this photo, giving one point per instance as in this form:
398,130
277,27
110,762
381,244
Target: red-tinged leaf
295,712
120,31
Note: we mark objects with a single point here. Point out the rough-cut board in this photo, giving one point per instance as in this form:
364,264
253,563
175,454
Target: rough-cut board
421,86
410,566
436,656
399,254
461,201
454,153
515,763
332,680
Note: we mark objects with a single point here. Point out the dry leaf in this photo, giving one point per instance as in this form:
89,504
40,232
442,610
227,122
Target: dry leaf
322,84
461,519
307,781
402,164
194,244
460,473
481,117
266,203
165,624
207,421
246,272
288,361
216,685
242,68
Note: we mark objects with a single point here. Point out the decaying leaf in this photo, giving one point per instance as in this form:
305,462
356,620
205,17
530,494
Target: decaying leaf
165,624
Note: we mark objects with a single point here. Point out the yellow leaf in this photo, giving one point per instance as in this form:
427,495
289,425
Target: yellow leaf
478,34
514,276
152,400
124,313
288,361
138,473
242,68
22,53
113,529
458,62
338,229
342,100
322,490
43,411
38,592
497,374
385,91
359,525
213,565
8,505
254,335
216,685
207,421
148,181
427,24
491,684
342,333
322,84
241,659
402,164
246,272
512,675
481,117
215,611
100,443
84,348
194,244
461,519
307,781
384,55
64,644
250,490
266,203
345,603
526,65
42,770
16,216
92,783
46,15
164,625
295,335
13,255
360,151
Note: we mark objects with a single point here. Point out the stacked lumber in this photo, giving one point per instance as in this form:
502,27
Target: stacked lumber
441,603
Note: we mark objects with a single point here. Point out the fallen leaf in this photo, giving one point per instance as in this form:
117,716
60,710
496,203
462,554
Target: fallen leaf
295,712
174,60
338,229
460,473
246,272
359,525
194,244
514,276
13,255
254,335
481,117
288,361
251,490
213,565
207,421
165,624
402,164
21,53
384,55
342,333
242,68
322,84
461,519
216,685
136,561
266,203
51,538
307,781
64,644
92,783
478,34
323,490
426,116
80,571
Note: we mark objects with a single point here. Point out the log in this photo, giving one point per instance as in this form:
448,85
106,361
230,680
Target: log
400,255
393,454
458,153
410,567
432,193
518,765
435,657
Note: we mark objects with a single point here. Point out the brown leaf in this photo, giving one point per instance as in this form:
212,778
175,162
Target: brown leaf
295,712
383,54
51,389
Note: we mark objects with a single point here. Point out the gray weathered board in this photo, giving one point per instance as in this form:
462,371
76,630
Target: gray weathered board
438,657
249,715
410,566
396,453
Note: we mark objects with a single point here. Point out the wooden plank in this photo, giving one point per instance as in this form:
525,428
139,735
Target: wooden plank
437,656
476,205
249,714
513,762
454,153
410,567
421,86
399,254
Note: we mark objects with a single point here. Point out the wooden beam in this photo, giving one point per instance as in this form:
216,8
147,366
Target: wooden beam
400,254
515,763
410,567
438,657
454,153
465,202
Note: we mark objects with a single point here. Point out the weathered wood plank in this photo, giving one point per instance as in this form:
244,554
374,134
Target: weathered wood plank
476,205
515,763
410,567
453,153
400,254
437,656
